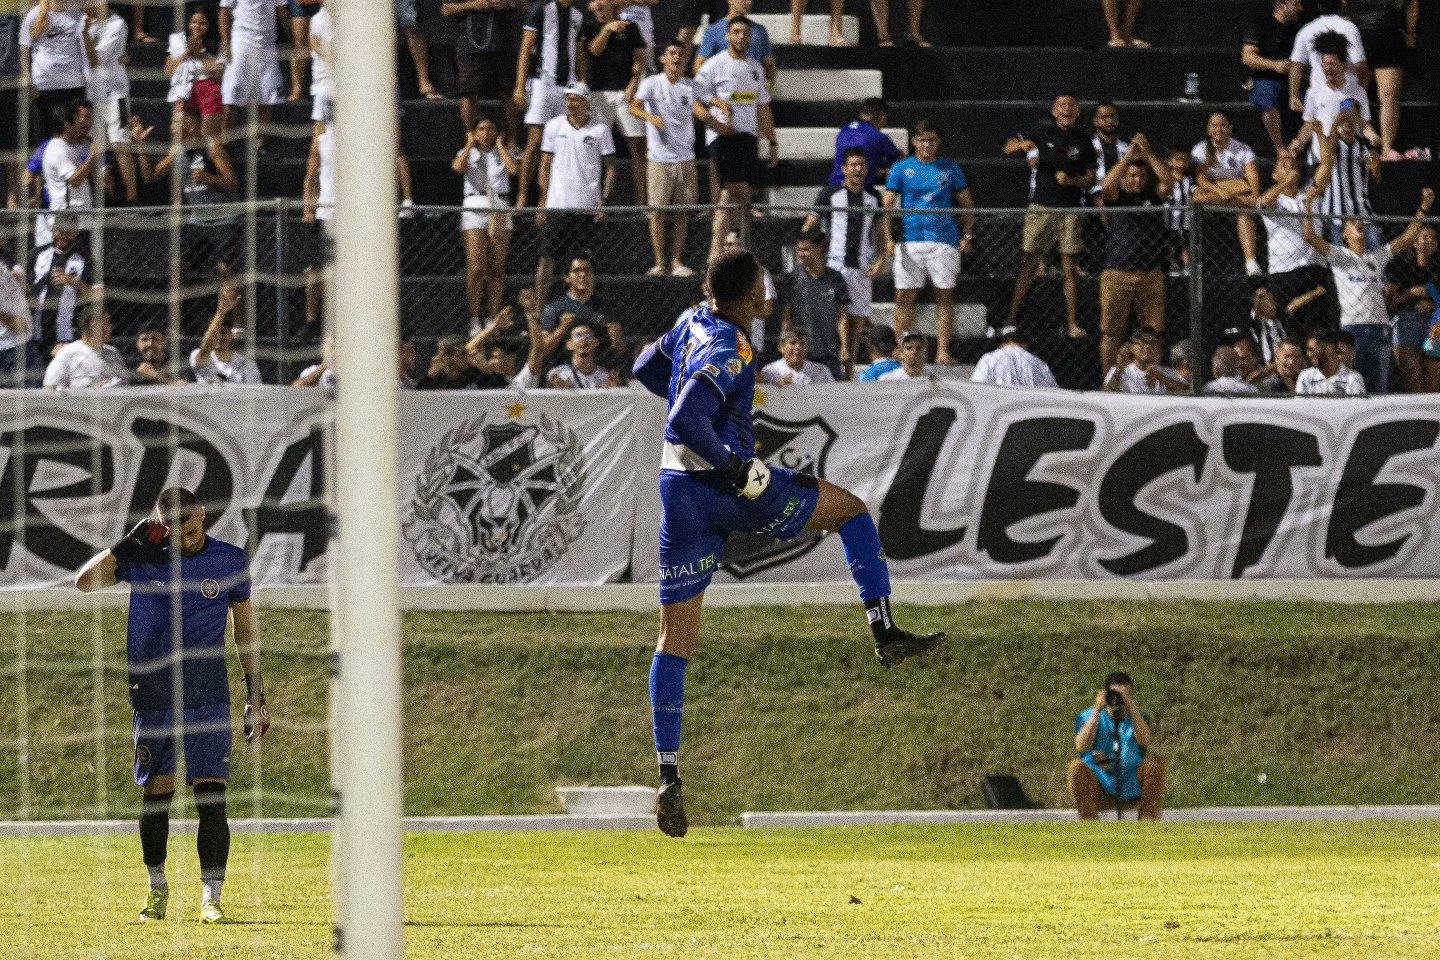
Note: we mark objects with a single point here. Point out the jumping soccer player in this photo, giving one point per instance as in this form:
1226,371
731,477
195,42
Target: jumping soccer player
712,485
211,580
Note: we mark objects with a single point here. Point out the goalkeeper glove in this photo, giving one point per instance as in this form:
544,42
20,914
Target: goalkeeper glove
748,477
256,717
145,543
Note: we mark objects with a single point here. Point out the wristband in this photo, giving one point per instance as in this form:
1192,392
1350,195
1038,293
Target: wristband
735,471
255,688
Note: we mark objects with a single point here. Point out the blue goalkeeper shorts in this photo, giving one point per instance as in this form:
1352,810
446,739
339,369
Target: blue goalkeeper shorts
699,510
206,737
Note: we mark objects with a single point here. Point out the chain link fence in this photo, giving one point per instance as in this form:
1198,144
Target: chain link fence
1077,284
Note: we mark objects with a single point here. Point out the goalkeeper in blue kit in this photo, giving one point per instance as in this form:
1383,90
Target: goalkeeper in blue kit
211,582
712,485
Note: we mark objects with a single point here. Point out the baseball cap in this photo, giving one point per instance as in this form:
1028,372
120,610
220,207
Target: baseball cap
577,89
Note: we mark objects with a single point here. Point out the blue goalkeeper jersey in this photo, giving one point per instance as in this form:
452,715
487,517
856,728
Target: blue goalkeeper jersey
209,582
718,352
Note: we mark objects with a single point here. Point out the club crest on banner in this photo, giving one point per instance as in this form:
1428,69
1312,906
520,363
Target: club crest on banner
799,445
497,502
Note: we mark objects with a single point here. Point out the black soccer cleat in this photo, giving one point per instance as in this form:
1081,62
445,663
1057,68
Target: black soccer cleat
670,810
898,645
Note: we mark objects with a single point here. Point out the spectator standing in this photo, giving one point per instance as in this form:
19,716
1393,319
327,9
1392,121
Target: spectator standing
915,9
1120,18
1327,376
1282,375
816,306
1064,164
715,41
837,16
1386,29
21,363
913,351
1228,175
1409,280
55,53
1360,286
880,344
1109,147
90,361
931,243
11,151
1116,766
248,33
793,369
583,372
301,15
641,15
1182,216
1342,181
550,60
1265,52
151,364
867,134
667,104
616,54
1335,89
109,88
486,163
60,278
486,45
1225,365
195,72
1293,266
576,150
1303,54
733,86
1133,277
318,198
1011,364
210,237
68,165
852,248
407,22
216,361
1137,367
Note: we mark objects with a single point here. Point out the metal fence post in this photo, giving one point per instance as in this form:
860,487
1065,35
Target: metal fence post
1198,358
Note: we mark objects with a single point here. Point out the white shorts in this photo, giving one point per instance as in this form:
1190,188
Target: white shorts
858,284
612,107
481,221
917,261
546,101
111,123
252,78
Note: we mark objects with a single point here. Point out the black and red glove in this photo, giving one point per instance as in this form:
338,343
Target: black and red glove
146,542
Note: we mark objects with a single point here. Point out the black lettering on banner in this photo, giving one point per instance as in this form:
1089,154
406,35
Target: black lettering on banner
901,534
1147,460
306,517
1011,498
1360,501
1269,452
19,506
162,441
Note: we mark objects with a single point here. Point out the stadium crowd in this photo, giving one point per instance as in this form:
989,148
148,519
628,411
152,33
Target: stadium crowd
570,78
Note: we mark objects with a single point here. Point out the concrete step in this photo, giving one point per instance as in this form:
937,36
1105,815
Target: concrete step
818,143
827,86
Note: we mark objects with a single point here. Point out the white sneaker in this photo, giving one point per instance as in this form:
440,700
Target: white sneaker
407,209
1252,269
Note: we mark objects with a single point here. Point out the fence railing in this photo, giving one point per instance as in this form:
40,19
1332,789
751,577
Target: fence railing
1077,283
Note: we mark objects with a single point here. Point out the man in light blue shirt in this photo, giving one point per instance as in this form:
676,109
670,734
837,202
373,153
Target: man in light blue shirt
930,245
1115,766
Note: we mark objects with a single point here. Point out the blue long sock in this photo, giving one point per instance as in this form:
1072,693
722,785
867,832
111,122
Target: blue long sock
667,697
867,565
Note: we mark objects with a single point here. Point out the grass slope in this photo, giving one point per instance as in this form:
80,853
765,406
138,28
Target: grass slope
1074,891
786,708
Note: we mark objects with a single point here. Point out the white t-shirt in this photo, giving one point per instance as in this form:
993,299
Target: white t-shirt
673,103
1013,366
211,369
321,37
741,84
575,164
644,20
1322,103
1134,380
811,372
597,379
1304,48
253,23
12,303
1229,163
325,199
77,365
1360,284
182,81
110,80
899,374
1313,381
482,169
58,164
1286,239
1229,385
57,56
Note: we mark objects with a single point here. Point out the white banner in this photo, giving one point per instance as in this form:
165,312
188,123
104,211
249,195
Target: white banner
553,487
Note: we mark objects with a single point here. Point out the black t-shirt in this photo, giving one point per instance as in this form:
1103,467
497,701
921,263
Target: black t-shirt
611,69
1275,41
488,31
1061,150
1136,241
464,381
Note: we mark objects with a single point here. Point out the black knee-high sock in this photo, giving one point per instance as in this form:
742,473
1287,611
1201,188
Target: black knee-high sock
155,827
212,837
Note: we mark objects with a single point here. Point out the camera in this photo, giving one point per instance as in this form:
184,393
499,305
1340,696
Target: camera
1114,699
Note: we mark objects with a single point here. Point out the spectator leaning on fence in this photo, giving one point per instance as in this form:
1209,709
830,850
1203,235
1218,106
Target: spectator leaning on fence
21,364
817,305
868,135
1304,54
486,164
667,104
1133,278
1011,364
880,345
90,361
930,246
1063,159
1228,175
914,349
1282,374
551,59
1326,374
1137,367
852,248
1116,767
576,176
794,369
617,56
216,361
150,366
1265,52
55,52
1225,365
1409,280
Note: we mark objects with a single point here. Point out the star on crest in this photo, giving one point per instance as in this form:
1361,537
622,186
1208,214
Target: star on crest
513,410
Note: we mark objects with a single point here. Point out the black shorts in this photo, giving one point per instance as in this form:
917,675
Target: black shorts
204,246
567,233
689,12
483,74
316,246
737,157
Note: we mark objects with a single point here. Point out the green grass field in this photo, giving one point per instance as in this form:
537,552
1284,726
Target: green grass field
1102,890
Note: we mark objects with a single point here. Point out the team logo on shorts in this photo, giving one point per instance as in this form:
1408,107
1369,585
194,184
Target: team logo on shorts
142,756
497,502
210,588
799,445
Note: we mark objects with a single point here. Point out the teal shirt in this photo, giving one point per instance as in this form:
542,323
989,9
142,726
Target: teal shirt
1131,753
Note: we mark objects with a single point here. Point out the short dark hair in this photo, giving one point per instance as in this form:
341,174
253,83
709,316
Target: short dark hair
1118,678
1292,341
732,275
923,126
882,340
673,43
175,505
915,335
1333,43
849,152
1322,335
1345,337
71,108
740,19
582,254
870,106
794,336
153,328
811,236
1106,103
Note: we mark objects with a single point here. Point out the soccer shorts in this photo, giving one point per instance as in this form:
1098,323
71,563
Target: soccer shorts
206,736
921,260
859,285
546,101
474,217
612,107
699,510
252,78
736,156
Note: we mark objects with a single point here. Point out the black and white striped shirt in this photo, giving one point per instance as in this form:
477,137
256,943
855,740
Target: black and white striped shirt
1181,216
1106,154
1348,192
556,47
851,227
55,305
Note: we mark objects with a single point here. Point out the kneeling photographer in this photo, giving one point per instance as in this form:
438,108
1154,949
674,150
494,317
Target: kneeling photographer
1116,768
